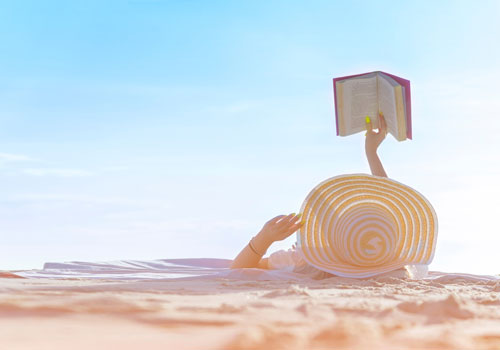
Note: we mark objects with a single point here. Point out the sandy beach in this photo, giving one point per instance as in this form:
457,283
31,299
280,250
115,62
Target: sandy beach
249,309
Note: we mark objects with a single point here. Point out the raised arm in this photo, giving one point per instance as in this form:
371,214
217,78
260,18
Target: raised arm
276,229
373,140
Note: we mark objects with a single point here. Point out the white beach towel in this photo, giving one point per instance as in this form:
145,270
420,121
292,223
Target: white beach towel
203,268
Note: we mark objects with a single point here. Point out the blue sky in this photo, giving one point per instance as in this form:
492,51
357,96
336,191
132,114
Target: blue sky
168,129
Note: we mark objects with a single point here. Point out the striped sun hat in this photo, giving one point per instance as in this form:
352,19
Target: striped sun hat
361,225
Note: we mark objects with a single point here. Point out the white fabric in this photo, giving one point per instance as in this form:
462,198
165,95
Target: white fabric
291,260
206,268
285,259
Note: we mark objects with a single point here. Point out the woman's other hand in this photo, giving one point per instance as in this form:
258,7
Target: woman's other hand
280,227
374,139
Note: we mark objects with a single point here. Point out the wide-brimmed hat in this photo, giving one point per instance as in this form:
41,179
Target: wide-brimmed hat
360,225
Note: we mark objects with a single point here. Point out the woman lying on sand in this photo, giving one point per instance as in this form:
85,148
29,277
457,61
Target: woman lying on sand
282,226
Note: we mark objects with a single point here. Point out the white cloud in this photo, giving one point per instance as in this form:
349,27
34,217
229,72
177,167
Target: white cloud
9,157
116,168
57,172
56,197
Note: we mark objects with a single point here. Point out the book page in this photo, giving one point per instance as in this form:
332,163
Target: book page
339,105
400,112
402,91
360,100
387,105
403,97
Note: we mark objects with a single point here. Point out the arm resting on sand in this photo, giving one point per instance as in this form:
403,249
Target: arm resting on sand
248,258
276,229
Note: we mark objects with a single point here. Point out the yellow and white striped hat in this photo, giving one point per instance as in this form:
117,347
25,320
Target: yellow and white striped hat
360,225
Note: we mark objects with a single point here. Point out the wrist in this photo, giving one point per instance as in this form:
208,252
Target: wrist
262,242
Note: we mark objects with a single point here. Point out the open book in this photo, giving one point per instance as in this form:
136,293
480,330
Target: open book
361,95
